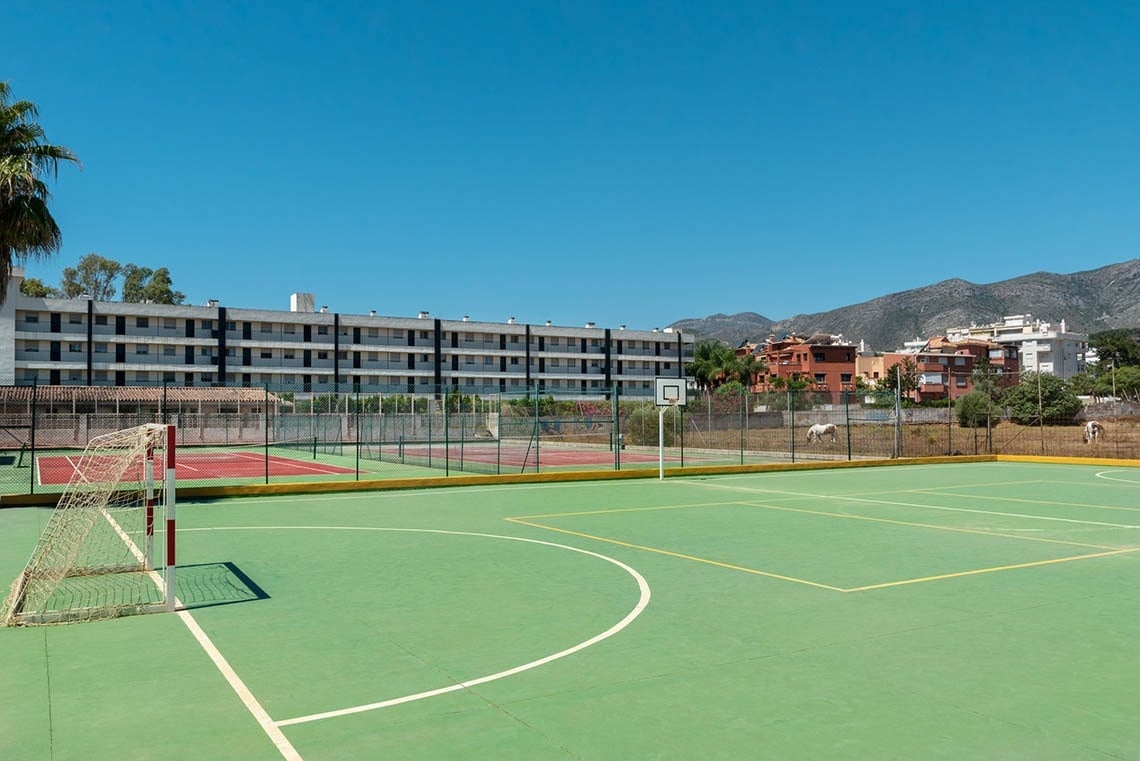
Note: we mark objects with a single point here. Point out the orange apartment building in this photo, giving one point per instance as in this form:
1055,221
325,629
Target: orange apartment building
828,363
825,362
945,368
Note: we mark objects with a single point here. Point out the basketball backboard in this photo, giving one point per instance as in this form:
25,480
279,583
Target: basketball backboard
669,392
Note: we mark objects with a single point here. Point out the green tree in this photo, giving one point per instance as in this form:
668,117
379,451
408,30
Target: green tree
1117,347
1041,397
712,363
975,409
1127,382
1083,383
159,289
902,376
985,379
35,288
134,283
94,276
27,228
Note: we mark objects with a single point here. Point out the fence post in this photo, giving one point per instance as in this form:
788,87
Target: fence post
32,441
792,410
741,426
847,419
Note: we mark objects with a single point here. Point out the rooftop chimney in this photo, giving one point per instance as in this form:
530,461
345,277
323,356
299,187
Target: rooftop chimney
423,315
302,302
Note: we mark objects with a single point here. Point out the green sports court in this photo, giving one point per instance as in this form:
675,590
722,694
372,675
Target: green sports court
975,610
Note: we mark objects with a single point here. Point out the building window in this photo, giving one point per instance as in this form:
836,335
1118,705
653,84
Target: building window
322,355
289,330
289,354
168,351
266,327
142,376
322,330
75,319
342,355
100,319
142,322
142,349
267,355
100,348
32,346
231,325
845,377
31,317
820,378
231,352
207,325
168,377
204,351
75,348
169,323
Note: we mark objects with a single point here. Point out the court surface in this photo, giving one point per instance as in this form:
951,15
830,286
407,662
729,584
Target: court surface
965,611
194,465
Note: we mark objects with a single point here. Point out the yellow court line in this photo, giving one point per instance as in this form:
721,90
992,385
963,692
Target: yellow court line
626,510
982,532
680,555
938,491
977,571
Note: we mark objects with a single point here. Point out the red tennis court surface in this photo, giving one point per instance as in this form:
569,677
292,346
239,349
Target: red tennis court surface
514,456
58,469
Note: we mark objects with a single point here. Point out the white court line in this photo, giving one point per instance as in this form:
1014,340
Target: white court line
642,603
1102,475
919,505
288,752
291,462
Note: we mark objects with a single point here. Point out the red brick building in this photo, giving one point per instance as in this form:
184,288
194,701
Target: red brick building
944,368
825,362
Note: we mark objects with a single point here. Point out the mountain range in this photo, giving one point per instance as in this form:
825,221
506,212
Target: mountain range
1088,302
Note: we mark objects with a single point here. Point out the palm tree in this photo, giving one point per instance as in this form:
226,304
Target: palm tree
712,363
27,229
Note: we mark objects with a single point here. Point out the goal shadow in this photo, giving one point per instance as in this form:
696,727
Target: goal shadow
208,585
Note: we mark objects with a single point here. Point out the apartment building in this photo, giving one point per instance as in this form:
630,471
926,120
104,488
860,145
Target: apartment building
1043,347
82,342
944,368
825,362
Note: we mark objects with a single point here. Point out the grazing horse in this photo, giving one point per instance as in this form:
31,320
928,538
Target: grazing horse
819,430
1094,430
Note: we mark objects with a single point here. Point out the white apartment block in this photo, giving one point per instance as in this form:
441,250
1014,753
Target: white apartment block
1043,347
82,342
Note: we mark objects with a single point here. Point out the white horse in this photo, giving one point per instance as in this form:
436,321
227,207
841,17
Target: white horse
1094,430
819,430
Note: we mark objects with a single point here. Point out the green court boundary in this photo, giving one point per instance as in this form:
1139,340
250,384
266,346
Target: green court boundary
434,482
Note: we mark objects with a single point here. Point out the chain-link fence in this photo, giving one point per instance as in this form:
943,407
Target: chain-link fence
272,435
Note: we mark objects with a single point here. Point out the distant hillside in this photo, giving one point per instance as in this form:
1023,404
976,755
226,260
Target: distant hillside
1088,302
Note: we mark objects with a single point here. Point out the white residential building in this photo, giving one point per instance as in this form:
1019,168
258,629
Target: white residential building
84,342
1044,348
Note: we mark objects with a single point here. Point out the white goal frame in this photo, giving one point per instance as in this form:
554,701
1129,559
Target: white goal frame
95,557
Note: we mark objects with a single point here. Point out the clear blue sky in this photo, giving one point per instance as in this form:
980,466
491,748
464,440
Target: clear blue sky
617,162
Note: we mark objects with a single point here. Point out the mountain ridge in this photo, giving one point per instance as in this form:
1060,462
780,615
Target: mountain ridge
1088,301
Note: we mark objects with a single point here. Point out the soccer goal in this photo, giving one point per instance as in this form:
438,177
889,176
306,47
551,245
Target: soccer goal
96,556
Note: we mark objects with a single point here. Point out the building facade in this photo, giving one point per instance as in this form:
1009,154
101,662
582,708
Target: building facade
1042,346
82,342
944,368
821,361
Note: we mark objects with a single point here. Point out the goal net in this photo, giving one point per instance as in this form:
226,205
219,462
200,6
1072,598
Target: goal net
95,557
